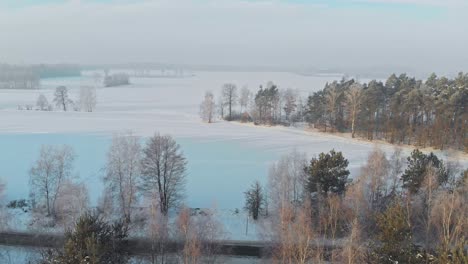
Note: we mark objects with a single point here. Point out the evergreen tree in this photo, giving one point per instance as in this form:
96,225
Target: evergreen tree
92,241
416,171
316,109
266,103
255,200
327,173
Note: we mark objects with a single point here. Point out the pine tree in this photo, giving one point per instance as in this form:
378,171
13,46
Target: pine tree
327,173
416,171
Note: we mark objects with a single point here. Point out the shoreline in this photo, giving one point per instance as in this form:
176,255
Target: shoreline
452,154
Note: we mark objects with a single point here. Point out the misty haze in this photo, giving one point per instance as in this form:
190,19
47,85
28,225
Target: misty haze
233,131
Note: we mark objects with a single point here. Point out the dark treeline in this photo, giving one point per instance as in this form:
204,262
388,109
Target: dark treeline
400,110
28,77
116,79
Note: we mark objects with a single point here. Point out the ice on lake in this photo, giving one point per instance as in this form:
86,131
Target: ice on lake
218,172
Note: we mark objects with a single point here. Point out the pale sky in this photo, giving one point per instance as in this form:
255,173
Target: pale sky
427,34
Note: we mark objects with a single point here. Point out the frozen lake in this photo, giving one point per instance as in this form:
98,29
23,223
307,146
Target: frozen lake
218,171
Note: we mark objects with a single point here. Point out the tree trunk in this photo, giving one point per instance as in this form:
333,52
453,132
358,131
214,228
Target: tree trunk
230,109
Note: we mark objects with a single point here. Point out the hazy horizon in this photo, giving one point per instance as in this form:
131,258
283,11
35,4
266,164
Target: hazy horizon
424,35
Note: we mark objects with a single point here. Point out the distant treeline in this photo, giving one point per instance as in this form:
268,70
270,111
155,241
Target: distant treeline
116,79
28,77
57,70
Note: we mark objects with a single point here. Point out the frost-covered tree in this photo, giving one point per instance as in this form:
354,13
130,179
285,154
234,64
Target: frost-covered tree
42,103
48,174
376,178
333,99
158,232
353,102
208,108
229,95
87,98
244,98
116,79
286,179
72,202
4,217
290,102
61,98
122,172
197,235
97,78
292,234
163,171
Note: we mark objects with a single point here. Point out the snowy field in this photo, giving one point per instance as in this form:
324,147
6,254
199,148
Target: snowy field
224,158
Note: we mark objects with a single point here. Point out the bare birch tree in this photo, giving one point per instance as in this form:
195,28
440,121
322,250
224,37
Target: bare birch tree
208,108
229,95
375,175
333,215
353,97
368,193
422,205
244,98
61,98
286,179
123,171
163,171
191,251
353,251
450,221
87,98
294,237
47,176
72,202
158,230
221,106
97,78
290,102
397,165
332,98
198,233
42,103
4,216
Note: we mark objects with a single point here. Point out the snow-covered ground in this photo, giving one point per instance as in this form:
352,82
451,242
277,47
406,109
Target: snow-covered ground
20,255
224,158
14,255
